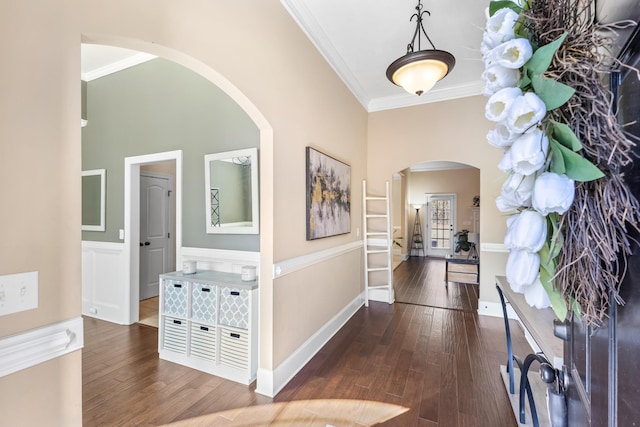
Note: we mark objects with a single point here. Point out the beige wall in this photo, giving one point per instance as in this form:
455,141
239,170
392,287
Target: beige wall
299,98
465,183
274,65
452,131
296,99
270,68
40,176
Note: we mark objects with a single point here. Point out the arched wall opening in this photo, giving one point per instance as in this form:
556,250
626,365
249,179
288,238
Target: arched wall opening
454,131
131,252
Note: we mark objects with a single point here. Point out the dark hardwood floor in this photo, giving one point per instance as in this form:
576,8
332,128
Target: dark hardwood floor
390,365
420,280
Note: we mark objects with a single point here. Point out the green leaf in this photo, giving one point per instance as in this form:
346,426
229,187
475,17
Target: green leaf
557,241
554,94
541,59
575,307
524,81
495,6
577,167
557,159
565,136
555,297
545,258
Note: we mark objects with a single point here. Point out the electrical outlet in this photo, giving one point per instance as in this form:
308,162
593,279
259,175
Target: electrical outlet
18,292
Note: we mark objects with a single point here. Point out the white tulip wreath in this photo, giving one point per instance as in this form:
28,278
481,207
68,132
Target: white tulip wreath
544,157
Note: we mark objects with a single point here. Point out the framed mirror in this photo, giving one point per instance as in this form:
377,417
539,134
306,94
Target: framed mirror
93,200
231,192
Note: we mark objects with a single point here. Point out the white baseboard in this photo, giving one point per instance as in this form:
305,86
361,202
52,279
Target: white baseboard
271,382
33,347
494,309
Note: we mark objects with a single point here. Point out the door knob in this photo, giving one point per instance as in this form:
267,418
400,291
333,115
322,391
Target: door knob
147,243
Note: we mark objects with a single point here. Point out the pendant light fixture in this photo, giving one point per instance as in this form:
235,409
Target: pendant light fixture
418,71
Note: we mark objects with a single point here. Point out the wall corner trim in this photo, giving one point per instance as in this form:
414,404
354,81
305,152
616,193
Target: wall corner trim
30,348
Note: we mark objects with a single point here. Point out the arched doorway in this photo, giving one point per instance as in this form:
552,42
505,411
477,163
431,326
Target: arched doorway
130,258
436,200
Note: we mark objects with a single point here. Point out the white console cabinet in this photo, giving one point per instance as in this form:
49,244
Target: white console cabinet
209,321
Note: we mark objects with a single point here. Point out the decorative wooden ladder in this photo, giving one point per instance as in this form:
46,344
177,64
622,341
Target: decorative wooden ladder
378,242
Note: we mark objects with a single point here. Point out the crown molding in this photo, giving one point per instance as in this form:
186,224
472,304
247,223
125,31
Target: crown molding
117,66
434,95
309,25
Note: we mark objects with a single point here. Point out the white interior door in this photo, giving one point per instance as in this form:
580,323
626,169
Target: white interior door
440,224
155,237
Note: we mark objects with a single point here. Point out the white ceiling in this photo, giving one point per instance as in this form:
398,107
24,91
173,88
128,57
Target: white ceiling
359,39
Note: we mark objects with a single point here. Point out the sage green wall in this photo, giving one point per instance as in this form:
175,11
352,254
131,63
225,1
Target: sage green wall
155,107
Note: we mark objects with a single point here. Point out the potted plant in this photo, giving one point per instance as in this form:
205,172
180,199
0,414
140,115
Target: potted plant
462,241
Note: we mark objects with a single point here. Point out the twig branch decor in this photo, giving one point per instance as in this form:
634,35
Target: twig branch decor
574,149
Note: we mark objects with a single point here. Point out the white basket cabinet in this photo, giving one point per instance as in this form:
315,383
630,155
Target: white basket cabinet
209,321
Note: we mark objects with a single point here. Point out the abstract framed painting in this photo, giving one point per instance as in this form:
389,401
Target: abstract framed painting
328,196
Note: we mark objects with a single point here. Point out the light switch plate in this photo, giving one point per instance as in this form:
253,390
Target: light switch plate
18,292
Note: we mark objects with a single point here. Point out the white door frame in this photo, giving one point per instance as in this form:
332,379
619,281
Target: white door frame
427,225
132,223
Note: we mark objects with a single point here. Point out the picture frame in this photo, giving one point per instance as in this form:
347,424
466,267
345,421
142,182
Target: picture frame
328,187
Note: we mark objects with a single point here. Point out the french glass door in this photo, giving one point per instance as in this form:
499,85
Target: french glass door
441,216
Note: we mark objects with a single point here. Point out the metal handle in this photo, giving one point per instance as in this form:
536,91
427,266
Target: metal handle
147,243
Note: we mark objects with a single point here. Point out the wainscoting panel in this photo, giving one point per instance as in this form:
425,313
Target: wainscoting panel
103,281
104,274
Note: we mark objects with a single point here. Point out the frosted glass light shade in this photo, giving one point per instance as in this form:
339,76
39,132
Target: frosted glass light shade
418,72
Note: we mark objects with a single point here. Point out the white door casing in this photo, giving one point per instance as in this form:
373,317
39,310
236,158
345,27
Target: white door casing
132,222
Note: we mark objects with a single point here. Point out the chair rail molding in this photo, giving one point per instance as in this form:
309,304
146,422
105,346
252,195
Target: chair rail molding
300,263
30,348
